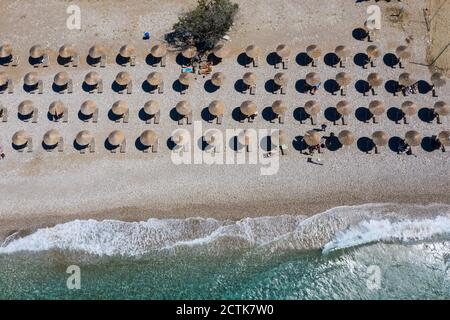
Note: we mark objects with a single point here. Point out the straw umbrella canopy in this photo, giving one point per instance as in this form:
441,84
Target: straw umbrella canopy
67,51
148,138
438,79
92,78
279,107
151,107
442,108
88,107
123,78
312,107
56,108
96,51
159,50
344,108
6,50
253,51
249,78
380,138
37,51
221,50
413,138
343,79
312,138
127,51
155,78
312,79
280,79
245,138
403,53
248,108
373,51
216,108
406,80
278,137
119,108
183,108
20,138
26,108
61,78
212,137
116,137
314,51
444,138
31,79
186,78
180,137
283,51
3,78
376,107
189,52
83,138
51,137
346,137
343,52
409,108
375,80
218,79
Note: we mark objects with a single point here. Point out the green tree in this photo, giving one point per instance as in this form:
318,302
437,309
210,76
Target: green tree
204,26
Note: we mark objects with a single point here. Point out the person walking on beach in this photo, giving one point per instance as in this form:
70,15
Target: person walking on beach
2,154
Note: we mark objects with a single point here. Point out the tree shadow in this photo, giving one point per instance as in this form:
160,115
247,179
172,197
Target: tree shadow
395,114
331,86
303,59
210,87
426,115
301,86
424,87
268,114
362,86
300,114
392,86
331,59
363,114
243,59
331,114
359,34
361,59
273,58
365,144
396,144
390,60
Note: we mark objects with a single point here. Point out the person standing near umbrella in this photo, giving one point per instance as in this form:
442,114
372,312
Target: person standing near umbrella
2,154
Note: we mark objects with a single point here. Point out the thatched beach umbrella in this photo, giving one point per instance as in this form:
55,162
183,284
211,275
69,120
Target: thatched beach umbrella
67,51
186,78
403,53
88,107
346,137
278,138
155,78
159,50
20,138
37,51
127,51
380,138
120,108
3,78
405,79
409,108
283,51
413,138
123,78
96,51
6,50
61,78
312,107
444,138
344,108
180,137
375,80
442,108
92,78
218,79
377,107
343,79
312,79
148,138
314,51
151,107
249,78
56,108
280,79
312,138
245,138
373,51
31,79
253,51
116,138
279,107
183,108
51,137
83,138
343,52
221,50
248,108
213,137
189,52
438,79
216,108
26,108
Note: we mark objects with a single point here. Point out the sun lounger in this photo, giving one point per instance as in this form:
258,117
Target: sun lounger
100,86
155,146
92,146
61,144
10,86
285,63
75,61
4,114
283,90
277,65
284,149
15,61
70,86
219,119
256,62
123,146
95,116
66,115
45,61
40,87
30,144
103,61
163,61
313,120
281,118
126,117
161,88
35,115
253,90
189,118
155,118
130,87
132,61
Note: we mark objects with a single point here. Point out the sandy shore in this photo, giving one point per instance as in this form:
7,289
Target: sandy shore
41,189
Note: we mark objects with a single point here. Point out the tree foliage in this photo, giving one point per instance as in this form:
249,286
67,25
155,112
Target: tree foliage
204,26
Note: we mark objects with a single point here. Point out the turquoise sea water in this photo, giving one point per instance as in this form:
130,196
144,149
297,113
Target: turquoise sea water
364,252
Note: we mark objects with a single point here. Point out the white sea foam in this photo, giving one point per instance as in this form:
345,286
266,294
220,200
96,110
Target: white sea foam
336,228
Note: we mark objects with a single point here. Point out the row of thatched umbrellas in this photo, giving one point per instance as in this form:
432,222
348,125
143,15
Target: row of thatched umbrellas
149,138
217,108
